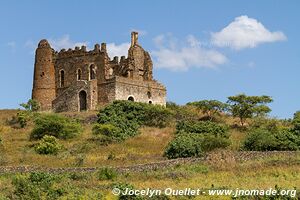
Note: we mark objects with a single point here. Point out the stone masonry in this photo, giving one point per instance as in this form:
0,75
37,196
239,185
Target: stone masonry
77,79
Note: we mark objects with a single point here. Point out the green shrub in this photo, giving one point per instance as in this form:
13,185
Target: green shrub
194,145
107,174
37,185
23,117
27,115
202,127
156,116
56,125
194,138
266,140
185,145
210,143
48,145
181,113
296,123
108,130
128,116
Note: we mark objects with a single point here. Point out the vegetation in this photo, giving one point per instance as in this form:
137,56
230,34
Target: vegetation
26,115
48,145
271,135
107,174
185,145
193,139
210,107
244,107
202,127
55,125
280,172
36,186
182,113
193,135
31,106
122,119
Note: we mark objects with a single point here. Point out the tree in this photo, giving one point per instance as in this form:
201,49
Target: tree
244,106
210,107
31,105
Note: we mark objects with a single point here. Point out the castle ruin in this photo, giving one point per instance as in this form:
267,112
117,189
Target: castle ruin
78,80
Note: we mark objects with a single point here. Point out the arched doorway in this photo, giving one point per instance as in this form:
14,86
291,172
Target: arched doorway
82,100
130,98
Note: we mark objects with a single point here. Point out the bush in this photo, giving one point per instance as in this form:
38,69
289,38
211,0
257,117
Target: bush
156,116
27,115
210,143
181,113
107,174
194,138
108,130
23,117
266,140
194,145
48,145
128,116
55,125
202,127
185,145
36,186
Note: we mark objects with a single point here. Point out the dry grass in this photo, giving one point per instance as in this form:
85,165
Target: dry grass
220,172
82,150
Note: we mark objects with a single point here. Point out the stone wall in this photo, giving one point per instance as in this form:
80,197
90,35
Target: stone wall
68,100
141,91
60,76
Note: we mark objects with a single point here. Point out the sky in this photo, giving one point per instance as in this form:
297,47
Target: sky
206,49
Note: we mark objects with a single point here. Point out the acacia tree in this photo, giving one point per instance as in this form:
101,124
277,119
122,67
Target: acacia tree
243,106
209,107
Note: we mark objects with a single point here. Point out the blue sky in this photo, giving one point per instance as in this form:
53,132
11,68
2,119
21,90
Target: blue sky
201,49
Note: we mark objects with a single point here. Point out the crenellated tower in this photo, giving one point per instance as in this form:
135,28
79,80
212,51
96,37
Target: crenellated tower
44,76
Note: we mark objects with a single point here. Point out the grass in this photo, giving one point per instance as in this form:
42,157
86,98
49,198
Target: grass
16,149
252,174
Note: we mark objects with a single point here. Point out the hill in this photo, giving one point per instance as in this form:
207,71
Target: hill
116,163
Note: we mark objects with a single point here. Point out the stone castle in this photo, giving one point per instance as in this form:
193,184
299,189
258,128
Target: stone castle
77,79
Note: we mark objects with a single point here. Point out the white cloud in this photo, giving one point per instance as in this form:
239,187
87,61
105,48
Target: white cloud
12,45
65,42
245,32
181,56
117,50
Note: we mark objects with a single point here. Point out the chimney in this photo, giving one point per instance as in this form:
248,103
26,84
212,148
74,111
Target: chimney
134,38
103,47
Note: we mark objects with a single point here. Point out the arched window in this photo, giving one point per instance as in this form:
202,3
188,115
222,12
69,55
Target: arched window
92,72
79,74
62,78
130,98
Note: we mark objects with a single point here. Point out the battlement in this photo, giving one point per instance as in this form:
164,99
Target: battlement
81,51
80,78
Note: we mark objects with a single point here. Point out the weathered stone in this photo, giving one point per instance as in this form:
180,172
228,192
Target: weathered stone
78,79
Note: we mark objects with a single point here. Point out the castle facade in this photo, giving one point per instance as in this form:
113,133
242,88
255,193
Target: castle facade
78,80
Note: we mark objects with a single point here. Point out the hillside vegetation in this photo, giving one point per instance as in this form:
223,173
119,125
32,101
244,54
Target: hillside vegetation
127,133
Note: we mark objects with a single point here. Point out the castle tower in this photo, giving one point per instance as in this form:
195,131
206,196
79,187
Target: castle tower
44,76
